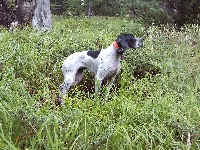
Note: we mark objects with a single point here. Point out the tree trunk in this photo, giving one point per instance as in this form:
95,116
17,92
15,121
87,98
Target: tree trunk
19,12
42,18
89,9
6,16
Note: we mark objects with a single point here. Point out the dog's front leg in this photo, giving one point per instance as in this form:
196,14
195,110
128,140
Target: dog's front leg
110,82
98,83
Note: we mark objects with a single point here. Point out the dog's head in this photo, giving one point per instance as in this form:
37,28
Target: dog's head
129,41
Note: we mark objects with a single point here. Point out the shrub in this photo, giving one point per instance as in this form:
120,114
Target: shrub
154,112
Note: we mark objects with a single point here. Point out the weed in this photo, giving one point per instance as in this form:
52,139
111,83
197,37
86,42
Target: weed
153,105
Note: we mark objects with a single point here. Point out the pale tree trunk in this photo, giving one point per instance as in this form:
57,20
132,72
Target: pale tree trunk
42,18
89,9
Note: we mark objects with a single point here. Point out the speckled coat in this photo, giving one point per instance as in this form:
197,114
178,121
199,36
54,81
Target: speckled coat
104,63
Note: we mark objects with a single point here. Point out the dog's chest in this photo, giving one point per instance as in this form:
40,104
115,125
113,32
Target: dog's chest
109,65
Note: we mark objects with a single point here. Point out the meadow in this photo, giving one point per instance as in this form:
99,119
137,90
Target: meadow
154,104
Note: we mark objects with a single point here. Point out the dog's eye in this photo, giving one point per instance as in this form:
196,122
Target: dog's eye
131,40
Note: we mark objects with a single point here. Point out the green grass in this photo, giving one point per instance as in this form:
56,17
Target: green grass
153,110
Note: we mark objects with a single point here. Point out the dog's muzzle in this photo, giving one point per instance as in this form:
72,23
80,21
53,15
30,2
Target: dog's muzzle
140,42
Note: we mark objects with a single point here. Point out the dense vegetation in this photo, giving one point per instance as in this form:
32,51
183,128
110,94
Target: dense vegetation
154,109
176,12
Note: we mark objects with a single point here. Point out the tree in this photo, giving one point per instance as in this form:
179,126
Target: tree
178,12
42,15
67,7
6,15
151,11
183,11
107,8
89,9
24,11
19,13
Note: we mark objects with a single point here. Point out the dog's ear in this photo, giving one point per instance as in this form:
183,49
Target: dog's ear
122,40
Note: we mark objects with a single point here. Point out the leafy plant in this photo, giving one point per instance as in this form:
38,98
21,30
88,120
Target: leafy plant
153,112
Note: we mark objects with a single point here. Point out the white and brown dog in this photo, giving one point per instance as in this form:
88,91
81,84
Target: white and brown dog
104,63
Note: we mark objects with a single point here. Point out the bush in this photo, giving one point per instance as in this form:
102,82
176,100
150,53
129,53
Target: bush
154,112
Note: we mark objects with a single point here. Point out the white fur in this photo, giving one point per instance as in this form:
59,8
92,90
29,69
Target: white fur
107,64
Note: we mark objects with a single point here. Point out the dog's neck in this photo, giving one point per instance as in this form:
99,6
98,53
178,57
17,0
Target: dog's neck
119,50
116,46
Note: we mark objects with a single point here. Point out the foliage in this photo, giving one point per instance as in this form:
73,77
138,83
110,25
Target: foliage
72,7
79,8
178,12
151,12
158,12
154,112
182,11
107,8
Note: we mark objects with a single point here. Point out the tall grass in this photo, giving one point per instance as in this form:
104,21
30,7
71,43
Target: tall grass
153,110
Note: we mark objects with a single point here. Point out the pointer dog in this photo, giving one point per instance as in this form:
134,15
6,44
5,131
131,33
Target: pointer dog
104,63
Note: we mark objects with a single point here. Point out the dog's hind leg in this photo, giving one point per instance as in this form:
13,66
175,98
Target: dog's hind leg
98,82
69,81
